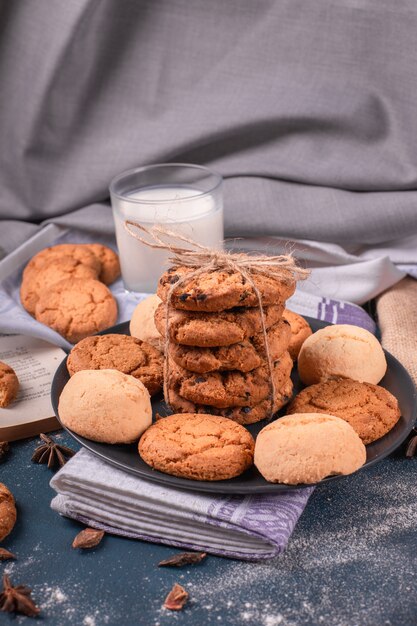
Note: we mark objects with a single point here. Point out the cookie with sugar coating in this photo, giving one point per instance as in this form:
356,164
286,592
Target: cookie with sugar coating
105,405
341,351
304,448
142,325
199,447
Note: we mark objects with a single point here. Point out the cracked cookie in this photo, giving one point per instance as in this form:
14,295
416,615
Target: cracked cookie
109,261
9,384
229,388
217,290
243,356
7,511
76,308
300,330
208,330
120,352
239,414
51,272
198,447
370,409
77,251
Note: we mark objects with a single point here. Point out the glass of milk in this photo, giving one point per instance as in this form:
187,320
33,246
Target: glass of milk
184,198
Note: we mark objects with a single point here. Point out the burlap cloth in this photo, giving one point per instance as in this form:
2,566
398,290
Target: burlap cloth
397,318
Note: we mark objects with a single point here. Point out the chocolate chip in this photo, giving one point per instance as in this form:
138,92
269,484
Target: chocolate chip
184,296
247,394
173,279
246,409
201,297
200,379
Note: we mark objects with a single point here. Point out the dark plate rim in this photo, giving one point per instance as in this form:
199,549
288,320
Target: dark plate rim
215,487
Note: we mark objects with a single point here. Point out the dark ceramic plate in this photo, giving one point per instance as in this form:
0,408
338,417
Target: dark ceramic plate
126,457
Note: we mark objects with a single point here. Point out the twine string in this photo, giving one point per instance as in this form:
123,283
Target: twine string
202,259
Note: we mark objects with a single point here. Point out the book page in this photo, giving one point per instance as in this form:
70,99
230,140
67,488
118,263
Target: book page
35,362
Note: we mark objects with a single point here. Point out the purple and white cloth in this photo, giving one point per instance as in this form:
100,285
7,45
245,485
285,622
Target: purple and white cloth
243,527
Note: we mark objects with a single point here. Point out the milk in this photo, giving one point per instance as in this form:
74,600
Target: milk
182,209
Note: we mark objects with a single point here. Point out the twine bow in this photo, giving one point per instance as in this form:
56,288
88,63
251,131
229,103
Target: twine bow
201,259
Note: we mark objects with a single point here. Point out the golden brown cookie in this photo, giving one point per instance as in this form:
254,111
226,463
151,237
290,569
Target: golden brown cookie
109,260
370,409
243,356
76,308
229,388
300,330
77,251
199,447
9,384
217,290
239,414
120,352
59,268
7,512
210,330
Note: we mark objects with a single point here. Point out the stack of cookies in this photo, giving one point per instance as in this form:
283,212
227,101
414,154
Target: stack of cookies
216,358
64,287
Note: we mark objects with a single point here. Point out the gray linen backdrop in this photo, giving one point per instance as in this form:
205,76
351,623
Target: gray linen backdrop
308,108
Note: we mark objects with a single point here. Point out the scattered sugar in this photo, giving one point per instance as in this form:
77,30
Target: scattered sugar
89,620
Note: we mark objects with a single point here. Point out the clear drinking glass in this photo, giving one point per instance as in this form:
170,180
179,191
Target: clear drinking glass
185,198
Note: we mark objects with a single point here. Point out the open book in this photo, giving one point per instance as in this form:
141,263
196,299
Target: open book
35,362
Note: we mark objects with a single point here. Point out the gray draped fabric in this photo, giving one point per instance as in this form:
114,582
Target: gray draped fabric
306,107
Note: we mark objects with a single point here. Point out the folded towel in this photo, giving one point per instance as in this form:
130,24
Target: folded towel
244,527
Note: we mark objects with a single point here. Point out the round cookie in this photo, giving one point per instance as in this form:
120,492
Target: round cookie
142,324
307,447
217,290
7,512
210,330
370,409
50,273
105,405
239,414
9,384
229,388
77,251
199,447
300,330
109,260
76,308
341,350
243,356
120,352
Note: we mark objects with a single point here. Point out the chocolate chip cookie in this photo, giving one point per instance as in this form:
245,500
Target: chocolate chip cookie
208,330
243,356
51,272
217,290
239,414
370,409
76,308
9,384
198,447
229,388
120,352
300,330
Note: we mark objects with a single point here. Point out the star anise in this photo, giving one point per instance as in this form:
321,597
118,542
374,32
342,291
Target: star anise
4,450
51,453
17,599
411,448
176,599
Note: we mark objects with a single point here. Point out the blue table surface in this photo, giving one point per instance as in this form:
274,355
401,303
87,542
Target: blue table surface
351,561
